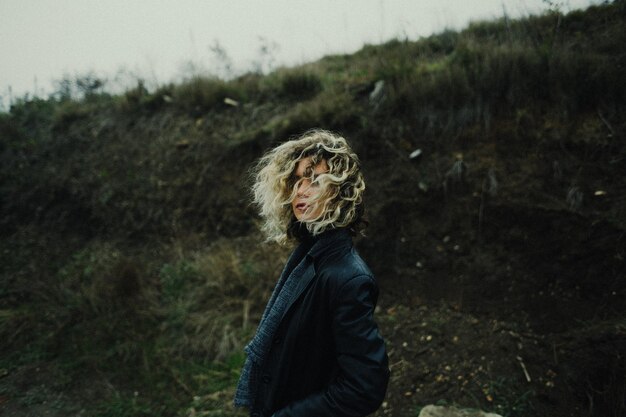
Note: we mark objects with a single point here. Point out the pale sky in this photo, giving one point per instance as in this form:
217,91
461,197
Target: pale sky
41,40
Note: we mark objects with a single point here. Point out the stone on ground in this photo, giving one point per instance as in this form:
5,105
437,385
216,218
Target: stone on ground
443,411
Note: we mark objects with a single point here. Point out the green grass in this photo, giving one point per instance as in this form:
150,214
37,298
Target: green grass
124,406
503,400
104,314
509,402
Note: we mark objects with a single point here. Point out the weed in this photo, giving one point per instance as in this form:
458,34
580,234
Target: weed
222,63
120,405
508,401
574,198
201,94
266,56
300,85
206,298
176,279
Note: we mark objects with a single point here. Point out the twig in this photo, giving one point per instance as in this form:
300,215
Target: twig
606,123
13,336
556,358
521,362
590,397
481,211
181,383
393,148
246,313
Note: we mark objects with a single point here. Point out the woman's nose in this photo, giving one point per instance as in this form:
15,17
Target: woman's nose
302,189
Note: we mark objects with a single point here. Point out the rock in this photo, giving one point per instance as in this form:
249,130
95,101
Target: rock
229,101
378,94
443,411
415,154
182,144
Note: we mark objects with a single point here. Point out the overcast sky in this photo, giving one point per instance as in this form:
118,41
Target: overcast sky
41,40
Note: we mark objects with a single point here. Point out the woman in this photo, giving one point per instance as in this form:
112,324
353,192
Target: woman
317,351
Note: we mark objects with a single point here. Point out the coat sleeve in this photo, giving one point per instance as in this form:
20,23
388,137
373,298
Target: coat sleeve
361,383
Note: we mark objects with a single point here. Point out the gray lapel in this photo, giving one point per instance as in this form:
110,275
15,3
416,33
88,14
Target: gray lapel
303,280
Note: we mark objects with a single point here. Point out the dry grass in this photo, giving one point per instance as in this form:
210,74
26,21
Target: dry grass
216,297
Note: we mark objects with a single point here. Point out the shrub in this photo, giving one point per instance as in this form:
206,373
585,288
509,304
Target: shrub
300,85
200,94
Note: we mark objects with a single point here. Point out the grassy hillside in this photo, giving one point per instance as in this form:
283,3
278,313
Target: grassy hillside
132,270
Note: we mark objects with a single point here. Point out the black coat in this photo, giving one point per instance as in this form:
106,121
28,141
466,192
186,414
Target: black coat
328,358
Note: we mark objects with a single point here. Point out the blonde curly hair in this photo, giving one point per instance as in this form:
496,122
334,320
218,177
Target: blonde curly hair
340,188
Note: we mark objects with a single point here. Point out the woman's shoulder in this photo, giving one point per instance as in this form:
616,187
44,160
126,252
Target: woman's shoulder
343,267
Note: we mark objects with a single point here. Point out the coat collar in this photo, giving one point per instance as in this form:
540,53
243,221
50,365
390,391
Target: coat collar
329,239
306,268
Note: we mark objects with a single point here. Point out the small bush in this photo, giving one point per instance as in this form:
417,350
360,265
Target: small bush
300,85
443,43
200,94
33,115
249,85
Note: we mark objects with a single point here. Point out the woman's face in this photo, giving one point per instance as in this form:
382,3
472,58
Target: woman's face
302,206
